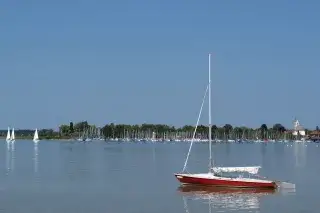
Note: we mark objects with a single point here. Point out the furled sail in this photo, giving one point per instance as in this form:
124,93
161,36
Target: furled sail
249,169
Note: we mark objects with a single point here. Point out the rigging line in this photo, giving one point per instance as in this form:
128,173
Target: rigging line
195,130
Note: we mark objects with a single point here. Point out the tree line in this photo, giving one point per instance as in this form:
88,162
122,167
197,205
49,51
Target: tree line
112,130
165,131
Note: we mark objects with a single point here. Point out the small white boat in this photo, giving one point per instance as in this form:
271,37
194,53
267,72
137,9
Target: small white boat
8,135
12,138
36,136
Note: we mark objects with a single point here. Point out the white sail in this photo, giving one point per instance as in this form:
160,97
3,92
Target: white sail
8,135
248,169
295,133
302,132
12,138
35,136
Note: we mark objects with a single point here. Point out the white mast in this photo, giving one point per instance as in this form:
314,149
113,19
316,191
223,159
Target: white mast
210,158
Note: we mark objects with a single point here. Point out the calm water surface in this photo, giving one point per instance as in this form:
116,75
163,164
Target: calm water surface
136,178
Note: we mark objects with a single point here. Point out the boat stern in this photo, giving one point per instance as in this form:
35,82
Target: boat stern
276,184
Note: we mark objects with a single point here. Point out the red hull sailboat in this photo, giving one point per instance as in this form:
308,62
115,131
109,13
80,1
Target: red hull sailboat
212,179
215,175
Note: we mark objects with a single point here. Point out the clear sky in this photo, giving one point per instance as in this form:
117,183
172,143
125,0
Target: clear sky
146,61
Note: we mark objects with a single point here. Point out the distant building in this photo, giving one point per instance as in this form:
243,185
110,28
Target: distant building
298,129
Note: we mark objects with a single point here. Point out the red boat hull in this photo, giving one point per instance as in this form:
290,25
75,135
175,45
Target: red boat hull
185,179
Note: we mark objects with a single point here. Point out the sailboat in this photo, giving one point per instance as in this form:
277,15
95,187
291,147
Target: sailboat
215,176
79,138
36,137
8,135
12,138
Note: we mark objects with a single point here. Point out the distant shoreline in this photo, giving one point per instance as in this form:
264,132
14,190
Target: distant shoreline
163,132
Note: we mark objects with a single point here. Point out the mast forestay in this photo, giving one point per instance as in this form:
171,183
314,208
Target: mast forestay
195,130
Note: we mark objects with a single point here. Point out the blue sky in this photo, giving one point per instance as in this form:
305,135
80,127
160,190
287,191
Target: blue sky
146,61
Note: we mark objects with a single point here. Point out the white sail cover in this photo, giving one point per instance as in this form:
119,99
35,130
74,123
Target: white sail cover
248,169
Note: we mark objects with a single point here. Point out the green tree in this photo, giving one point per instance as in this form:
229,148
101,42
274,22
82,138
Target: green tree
71,127
228,128
279,128
64,129
81,126
237,131
187,128
264,127
263,131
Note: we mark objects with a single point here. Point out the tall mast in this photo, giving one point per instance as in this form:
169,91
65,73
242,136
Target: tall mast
210,158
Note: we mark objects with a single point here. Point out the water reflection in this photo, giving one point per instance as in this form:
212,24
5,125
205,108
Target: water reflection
228,149
10,157
153,154
300,150
35,157
263,149
279,150
225,199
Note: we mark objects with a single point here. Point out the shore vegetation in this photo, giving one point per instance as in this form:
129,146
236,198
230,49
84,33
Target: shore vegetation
158,131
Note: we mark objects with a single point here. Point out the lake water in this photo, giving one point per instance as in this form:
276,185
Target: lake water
138,178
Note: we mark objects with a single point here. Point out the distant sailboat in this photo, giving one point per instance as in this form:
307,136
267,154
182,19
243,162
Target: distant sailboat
36,137
80,138
12,138
8,135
